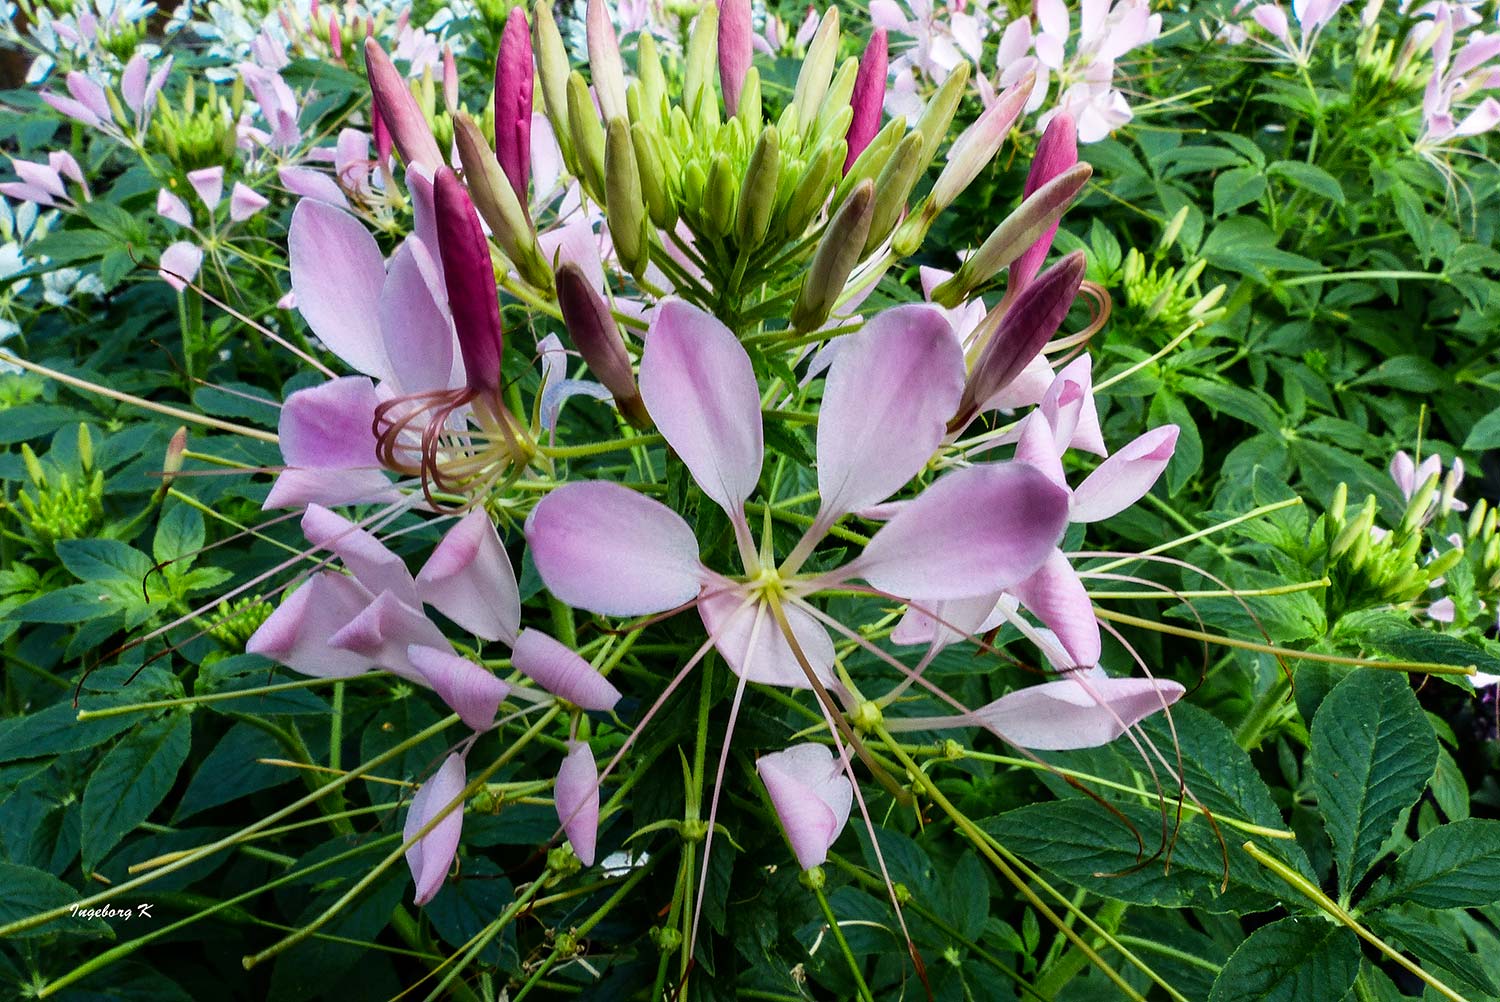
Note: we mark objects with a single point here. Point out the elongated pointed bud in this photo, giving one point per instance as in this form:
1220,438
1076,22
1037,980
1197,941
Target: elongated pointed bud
701,59
1056,152
869,97
1017,232
659,204
812,189
892,188
497,203
624,202
652,80
720,194
552,70
1024,329
836,112
597,338
976,147
470,280
450,80
749,111
735,50
588,135
605,65
400,111
514,75
938,115
171,464
381,136
335,39
869,164
838,252
817,68
1476,519
758,195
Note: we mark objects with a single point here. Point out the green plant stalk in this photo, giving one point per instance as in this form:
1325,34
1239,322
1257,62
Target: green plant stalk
228,841
212,697
482,938
1314,894
1253,727
1172,544
843,944
1071,963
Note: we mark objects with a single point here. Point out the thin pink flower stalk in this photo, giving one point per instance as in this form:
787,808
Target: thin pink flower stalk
180,262
1312,17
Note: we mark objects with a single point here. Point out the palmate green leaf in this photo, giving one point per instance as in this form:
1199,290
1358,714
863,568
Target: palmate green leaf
29,891
1293,960
1246,245
1456,865
1373,752
103,560
179,533
131,781
1309,178
1081,842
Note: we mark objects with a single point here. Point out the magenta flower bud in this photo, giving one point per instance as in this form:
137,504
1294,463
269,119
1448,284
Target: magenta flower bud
1026,327
381,135
398,108
868,97
1055,152
465,255
335,38
735,50
513,81
597,339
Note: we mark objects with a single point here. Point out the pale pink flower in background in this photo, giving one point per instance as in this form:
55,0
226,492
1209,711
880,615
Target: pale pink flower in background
1448,113
44,184
1085,68
941,38
1312,16
180,263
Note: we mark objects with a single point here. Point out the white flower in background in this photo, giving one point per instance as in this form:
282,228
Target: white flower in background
1448,112
1085,70
1312,16
92,34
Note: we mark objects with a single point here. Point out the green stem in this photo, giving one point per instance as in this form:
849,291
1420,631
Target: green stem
843,944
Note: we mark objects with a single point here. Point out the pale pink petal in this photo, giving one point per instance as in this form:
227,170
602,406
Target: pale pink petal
755,648
297,633
474,693
1124,478
76,110
327,442
415,328
1404,473
432,855
169,206
607,549
385,630
469,579
971,532
577,797
179,264
337,275
812,797
1082,712
886,404
209,184
297,488
1037,446
43,176
1273,19
559,669
245,202
1056,595
700,389
66,166
1070,407
940,624
1442,611
133,82
89,93
304,182
367,558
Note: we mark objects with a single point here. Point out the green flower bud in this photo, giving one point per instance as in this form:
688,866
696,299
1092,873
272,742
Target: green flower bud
896,182
652,80
814,879
653,174
1173,230
624,202
495,200
749,110
872,161
1358,529
838,252
1476,519
758,193
702,68
811,191
835,109
552,72
588,135
1443,564
719,197
1339,503
938,115
817,68
1417,508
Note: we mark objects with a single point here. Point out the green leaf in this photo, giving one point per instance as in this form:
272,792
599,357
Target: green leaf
1079,841
1373,752
179,534
103,560
1456,865
1293,960
1485,434
1246,245
1411,643
1309,178
57,729
1236,188
1406,372
233,770
1438,944
132,780
29,891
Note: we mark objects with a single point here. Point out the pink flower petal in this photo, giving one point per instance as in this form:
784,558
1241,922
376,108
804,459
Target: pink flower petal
700,389
943,623
1055,594
432,855
812,797
385,630
43,176
179,264
328,426
469,579
297,488
90,93
209,184
133,82
577,797
245,202
304,182
169,206
602,547
472,692
1124,478
755,648
367,558
559,670
1055,152
297,633
973,531
1071,410
415,329
886,404
337,274
1081,712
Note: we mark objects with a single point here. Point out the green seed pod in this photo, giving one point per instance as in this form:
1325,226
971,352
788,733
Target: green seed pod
653,179
896,182
838,252
812,188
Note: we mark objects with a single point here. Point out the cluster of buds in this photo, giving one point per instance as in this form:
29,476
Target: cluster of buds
60,500
1483,540
1164,296
1370,565
202,129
